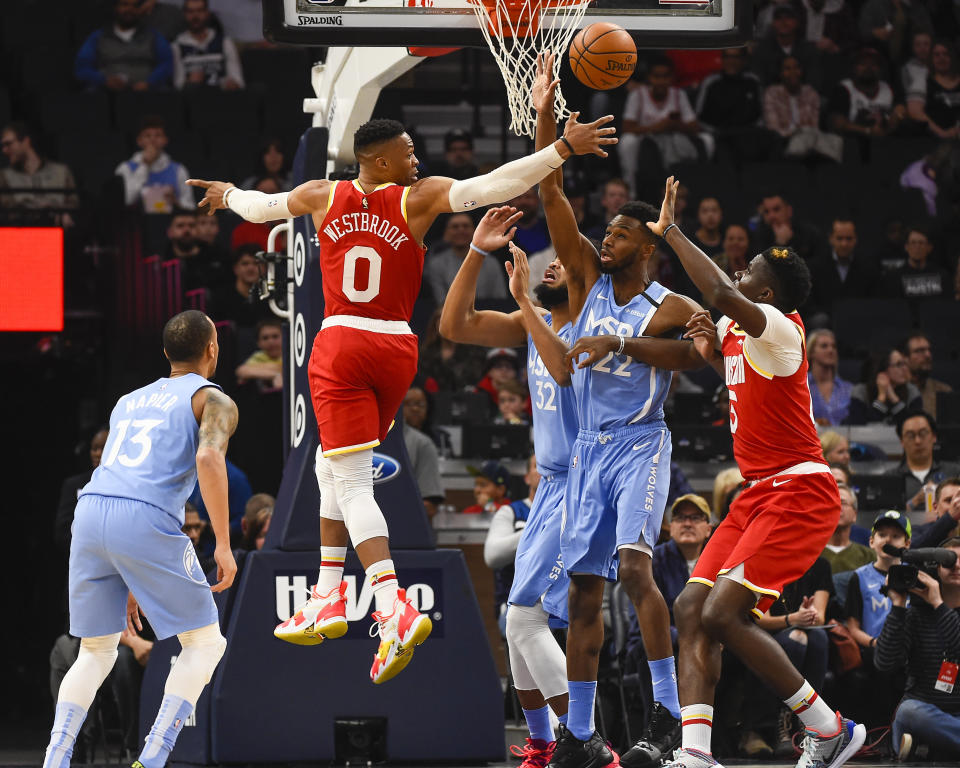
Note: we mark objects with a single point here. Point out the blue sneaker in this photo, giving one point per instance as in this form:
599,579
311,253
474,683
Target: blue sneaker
832,750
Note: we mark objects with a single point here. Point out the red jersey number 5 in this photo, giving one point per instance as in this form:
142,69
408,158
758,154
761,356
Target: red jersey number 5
350,259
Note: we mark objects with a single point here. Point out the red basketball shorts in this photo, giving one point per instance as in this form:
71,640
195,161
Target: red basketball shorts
776,528
358,380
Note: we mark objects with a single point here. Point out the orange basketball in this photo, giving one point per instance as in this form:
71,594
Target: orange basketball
603,56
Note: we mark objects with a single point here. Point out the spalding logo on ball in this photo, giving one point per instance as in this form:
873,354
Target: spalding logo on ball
603,56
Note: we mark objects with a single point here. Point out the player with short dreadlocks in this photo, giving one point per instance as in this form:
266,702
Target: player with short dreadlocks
772,533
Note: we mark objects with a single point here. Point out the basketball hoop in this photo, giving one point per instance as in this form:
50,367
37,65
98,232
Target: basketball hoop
517,31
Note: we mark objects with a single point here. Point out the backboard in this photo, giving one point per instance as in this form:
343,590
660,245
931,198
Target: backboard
653,23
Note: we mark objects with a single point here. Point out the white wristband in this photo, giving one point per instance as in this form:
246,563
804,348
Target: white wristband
623,341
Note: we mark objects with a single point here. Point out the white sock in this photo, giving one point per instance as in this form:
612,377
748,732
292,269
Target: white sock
383,578
697,724
173,713
331,569
66,725
812,710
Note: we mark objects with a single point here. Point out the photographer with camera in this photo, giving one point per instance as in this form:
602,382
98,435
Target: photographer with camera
924,638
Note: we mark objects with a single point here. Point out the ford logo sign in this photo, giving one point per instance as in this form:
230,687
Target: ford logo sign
385,468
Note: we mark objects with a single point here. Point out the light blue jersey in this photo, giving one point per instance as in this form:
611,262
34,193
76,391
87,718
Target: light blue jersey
554,410
151,454
538,572
618,391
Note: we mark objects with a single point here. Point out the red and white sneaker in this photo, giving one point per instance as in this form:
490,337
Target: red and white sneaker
536,753
322,616
400,632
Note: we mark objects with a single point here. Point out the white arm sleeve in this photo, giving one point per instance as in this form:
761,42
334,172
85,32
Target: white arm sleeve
256,206
505,182
500,547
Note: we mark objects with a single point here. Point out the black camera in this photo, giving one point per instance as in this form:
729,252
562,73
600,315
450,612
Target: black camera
906,576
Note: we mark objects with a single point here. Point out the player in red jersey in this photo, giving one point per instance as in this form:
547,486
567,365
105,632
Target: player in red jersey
781,521
364,357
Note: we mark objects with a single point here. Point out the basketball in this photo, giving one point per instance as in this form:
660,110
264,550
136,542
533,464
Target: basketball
603,56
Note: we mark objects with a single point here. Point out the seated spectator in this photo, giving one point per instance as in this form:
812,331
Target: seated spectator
842,553
842,475
709,235
864,105
935,101
729,105
724,484
736,246
70,490
780,228
866,608
265,366
511,400
885,392
238,493
207,231
253,232
29,170
940,521
458,161
503,538
203,55
836,450
254,526
200,536
490,483
914,73
446,366
444,261
532,235
501,367
921,473
234,302
830,25
830,393
918,351
791,108
125,54
152,180
843,272
421,450
784,39
272,162
921,276
198,265
660,112
674,561
924,638
922,175
888,25
615,195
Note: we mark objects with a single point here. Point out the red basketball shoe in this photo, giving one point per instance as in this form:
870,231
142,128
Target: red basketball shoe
400,632
322,616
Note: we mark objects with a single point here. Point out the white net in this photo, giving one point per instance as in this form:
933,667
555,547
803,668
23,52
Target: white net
517,31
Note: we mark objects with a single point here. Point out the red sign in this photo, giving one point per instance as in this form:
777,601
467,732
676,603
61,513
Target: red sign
31,279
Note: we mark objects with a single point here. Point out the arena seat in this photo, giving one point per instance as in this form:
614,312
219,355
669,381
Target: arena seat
132,106
261,65
214,109
93,158
861,325
72,112
709,180
892,154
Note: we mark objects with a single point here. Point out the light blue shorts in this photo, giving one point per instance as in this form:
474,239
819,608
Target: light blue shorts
538,568
122,545
616,493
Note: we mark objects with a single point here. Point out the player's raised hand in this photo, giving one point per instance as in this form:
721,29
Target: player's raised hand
518,272
496,228
226,568
213,192
666,208
589,138
544,84
703,332
594,347
133,614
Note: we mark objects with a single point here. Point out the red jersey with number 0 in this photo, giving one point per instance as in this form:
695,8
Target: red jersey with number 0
371,264
771,416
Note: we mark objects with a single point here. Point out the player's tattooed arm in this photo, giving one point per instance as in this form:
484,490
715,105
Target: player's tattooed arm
218,422
717,288
460,321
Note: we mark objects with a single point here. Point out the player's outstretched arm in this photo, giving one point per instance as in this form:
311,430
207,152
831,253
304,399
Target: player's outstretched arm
310,197
717,288
218,421
550,346
670,354
576,252
460,321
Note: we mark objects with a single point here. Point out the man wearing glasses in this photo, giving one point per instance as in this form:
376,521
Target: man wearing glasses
921,473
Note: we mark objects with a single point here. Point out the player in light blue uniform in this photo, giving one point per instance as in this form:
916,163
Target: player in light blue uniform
540,583
127,550
619,470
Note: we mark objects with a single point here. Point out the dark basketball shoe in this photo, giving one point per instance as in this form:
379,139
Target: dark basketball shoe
658,741
570,752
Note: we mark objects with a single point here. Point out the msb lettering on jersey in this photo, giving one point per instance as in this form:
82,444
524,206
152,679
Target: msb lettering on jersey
365,222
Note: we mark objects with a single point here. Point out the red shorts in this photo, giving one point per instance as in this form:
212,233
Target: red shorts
358,380
776,531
